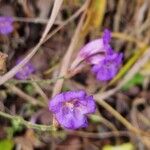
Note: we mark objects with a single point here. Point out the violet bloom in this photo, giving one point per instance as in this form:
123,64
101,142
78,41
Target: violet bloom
99,54
108,68
25,72
94,51
6,26
70,108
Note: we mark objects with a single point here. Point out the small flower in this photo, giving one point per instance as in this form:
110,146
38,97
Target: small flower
6,26
94,51
70,108
25,72
105,62
109,67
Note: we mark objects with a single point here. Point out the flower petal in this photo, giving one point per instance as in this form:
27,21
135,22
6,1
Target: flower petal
71,95
106,41
87,105
106,37
55,103
25,72
6,26
108,68
92,48
71,120
70,108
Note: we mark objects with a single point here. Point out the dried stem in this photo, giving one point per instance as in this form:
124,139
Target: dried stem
33,20
126,123
23,95
67,57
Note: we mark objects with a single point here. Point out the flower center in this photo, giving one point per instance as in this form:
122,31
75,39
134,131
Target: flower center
3,24
72,104
69,105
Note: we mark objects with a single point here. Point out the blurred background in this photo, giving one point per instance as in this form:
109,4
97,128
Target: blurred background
77,23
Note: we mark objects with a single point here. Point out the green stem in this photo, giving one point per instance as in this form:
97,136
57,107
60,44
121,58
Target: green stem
27,123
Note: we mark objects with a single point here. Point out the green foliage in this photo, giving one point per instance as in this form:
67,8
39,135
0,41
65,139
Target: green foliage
95,118
16,125
29,89
6,144
125,146
136,80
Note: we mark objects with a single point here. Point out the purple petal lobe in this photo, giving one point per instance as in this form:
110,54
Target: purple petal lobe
108,68
6,26
92,48
88,106
95,51
106,37
71,119
25,72
70,95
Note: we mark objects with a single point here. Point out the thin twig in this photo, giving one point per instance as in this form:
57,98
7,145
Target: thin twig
100,135
128,38
23,95
74,16
41,81
33,20
126,123
40,91
118,14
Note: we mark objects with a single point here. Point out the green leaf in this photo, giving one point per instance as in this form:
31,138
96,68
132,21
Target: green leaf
6,144
125,146
136,80
95,118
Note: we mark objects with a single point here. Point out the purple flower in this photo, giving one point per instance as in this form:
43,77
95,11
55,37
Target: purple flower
25,72
109,67
70,108
100,55
6,26
94,51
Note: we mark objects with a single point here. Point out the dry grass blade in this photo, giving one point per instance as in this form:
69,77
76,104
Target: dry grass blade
67,57
125,122
66,61
95,16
